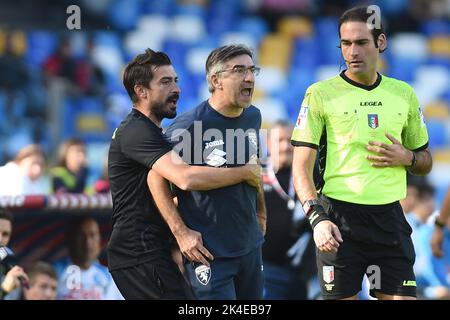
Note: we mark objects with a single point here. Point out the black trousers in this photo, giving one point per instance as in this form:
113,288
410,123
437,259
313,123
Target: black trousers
159,279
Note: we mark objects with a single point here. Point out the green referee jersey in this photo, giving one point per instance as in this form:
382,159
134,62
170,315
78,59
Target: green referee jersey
341,116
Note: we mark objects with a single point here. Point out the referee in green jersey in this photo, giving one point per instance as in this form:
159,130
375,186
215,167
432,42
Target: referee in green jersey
368,130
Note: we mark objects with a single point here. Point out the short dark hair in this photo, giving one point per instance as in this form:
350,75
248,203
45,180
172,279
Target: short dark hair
38,268
221,55
6,215
139,70
360,14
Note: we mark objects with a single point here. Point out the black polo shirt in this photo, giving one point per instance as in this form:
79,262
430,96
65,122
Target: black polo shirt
139,232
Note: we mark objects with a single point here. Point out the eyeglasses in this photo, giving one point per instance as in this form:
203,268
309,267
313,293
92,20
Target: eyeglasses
242,70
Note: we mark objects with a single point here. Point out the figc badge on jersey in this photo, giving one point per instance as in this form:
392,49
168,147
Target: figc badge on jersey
302,117
373,120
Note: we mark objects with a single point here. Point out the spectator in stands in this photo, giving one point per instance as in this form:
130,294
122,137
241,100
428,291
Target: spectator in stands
288,252
431,274
102,184
81,276
25,175
9,277
71,173
43,284
89,77
61,64
412,192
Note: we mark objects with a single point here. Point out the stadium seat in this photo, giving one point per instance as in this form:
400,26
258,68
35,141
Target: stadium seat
295,27
109,59
412,46
326,71
272,110
123,14
431,82
156,25
241,38
166,7
40,45
305,53
439,46
326,29
275,51
402,68
436,133
196,58
271,80
191,9
436,28
136,42
188,29
255,26
437,110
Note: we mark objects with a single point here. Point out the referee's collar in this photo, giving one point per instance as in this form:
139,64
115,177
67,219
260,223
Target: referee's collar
360,85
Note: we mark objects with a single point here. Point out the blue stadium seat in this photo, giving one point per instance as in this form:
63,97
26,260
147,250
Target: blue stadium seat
124,14
191,9
305,54
166,7
40,45
436,134
436,27
326,35
391,7
176,50
255,26
107,39
401,68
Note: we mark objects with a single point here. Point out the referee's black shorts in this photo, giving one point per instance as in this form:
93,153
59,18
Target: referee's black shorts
158,279
377,242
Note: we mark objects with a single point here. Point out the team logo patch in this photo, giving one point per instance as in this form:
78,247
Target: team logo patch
373,120
328,277
302,117
216,158
328,274
203,274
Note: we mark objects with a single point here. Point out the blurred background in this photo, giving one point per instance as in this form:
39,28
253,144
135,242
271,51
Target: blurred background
58,84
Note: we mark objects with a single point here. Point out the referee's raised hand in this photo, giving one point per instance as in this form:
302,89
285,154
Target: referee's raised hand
191,245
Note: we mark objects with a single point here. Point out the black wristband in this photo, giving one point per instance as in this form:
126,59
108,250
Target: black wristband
317,215
439,224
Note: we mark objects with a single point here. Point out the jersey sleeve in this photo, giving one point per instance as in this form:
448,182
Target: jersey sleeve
143,144
415,135
310,121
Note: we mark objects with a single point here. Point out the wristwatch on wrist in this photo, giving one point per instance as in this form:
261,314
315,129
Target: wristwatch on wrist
439,223
308,205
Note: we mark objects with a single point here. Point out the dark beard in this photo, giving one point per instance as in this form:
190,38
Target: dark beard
161,111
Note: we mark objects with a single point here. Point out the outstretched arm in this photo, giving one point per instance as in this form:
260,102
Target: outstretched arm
187,177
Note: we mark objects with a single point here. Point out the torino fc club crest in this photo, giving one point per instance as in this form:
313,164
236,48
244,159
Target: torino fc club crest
203,274
328,276
373,120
